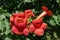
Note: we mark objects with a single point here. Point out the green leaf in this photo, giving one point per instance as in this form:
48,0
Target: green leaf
48,37
33,10
58,1
6,24
7,32
7,38
58,18
55,35
7,14
33,0
7,27
29,20
19,5
4,11
27,1
1,26
2,33
2,17
55,19
27,39
51,22
1,10
34,35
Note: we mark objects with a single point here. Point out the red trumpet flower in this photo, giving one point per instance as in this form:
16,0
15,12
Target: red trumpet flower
18,23
45,12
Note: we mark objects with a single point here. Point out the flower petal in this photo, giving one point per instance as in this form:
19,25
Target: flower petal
44,26
44,8
26,32
16,31
39,32
31,28
37,23
49,13
11,19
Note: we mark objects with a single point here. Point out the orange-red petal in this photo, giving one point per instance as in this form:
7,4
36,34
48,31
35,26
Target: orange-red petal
44,26
16,31
11,19
25,31
31,28
39,32
49,13
44,8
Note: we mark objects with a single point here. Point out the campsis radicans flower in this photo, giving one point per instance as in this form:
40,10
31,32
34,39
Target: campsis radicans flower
45,12
39,26
20,25
19,22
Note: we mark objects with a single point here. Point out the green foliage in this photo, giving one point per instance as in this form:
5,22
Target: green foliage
4,23
7,7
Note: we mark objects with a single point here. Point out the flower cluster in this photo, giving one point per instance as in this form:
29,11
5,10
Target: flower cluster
37,27
20,25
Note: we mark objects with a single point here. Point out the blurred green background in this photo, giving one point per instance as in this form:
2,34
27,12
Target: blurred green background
7,7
